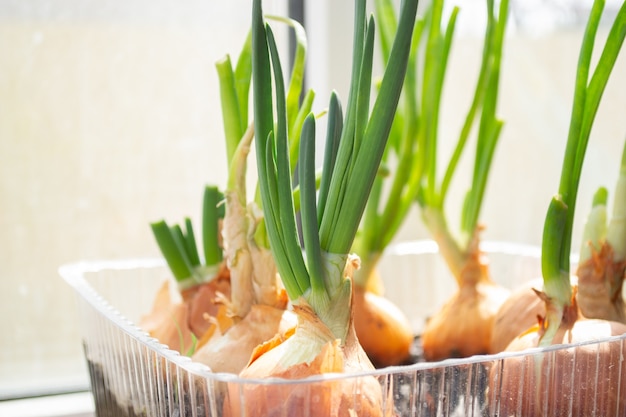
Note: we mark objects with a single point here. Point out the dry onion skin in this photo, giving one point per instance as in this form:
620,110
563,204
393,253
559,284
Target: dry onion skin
603,255
473,309
463,326
517,314
168,321
177,319
312,350
230,352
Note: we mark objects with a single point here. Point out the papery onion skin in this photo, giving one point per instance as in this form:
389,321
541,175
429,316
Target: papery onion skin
346,396
578,381
203,301
181,317
383,330
518,313
600,280
231,351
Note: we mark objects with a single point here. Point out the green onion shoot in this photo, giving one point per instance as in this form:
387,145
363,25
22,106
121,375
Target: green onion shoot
315,265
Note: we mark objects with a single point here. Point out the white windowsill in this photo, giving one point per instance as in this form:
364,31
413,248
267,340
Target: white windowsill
66,405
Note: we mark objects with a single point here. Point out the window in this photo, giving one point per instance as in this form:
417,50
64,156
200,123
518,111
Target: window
109,119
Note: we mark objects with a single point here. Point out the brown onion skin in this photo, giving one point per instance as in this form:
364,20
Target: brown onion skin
169,321
382,328
600,280
580,381
202,302
230,352
463,326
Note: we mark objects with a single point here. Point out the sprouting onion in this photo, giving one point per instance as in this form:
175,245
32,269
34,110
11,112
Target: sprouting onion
557,237
382,327
318,277
347,176
463,325
256,310
580,380
199,279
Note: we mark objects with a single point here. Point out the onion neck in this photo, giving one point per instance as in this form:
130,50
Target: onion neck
468,265
333,305
558,316
366,276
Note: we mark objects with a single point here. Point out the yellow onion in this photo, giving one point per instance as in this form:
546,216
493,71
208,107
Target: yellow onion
581,380
598,296
518,313
381,327
310,351
463,327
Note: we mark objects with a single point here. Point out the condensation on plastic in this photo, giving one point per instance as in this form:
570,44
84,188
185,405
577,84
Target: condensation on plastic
133,374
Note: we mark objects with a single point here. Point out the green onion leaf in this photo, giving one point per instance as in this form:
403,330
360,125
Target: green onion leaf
211,213
556,244
171,250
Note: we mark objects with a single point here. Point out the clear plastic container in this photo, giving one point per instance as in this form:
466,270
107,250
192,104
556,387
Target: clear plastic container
133,374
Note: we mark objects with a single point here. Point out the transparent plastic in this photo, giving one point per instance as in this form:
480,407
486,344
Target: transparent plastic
133,374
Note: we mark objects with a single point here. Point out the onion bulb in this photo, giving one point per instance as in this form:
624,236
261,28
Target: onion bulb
463,327
312,350
203,301
382,328
518,313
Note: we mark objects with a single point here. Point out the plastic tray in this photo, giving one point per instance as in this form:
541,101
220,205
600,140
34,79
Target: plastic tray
133,374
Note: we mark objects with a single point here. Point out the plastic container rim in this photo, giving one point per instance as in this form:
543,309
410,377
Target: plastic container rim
73,274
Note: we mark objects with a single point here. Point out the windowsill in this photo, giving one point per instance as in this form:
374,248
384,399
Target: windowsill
66,405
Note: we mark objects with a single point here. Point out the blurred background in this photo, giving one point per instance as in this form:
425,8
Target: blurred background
110,119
